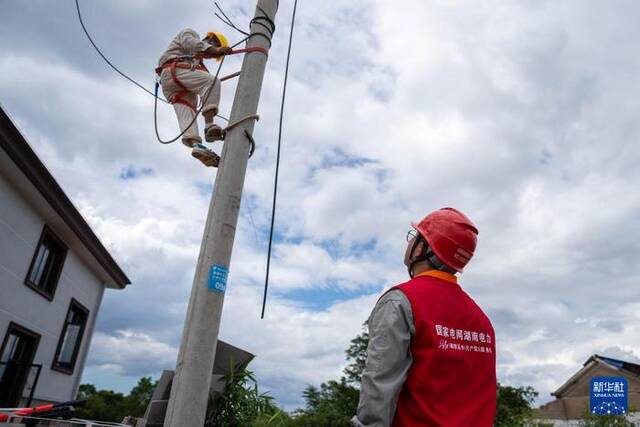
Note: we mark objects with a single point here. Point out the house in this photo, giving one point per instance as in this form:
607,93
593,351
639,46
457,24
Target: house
572,398
53,274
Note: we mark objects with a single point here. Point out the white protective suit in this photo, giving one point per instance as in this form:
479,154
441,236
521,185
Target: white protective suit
199,83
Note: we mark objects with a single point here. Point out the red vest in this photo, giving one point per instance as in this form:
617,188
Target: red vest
452,380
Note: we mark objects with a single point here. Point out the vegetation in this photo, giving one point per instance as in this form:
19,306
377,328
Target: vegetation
107,405
357,356
514,405
242,404
606,421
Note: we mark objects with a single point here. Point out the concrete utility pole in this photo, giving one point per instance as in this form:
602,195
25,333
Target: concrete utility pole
190,389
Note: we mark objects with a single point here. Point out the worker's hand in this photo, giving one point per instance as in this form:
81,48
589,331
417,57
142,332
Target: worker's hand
223,50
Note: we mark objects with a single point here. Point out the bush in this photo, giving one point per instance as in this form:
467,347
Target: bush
514,405
242,405
108,405
606,421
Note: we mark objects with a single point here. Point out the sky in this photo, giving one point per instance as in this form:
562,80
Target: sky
522,114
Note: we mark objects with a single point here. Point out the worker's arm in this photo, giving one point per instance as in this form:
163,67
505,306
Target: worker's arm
388,360
217,51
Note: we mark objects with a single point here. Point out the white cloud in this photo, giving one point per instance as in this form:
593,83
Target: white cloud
127,352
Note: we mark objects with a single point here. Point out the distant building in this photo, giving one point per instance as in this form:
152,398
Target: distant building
53,273
572,398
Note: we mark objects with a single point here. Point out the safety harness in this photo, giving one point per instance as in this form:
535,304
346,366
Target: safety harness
172,65
189,63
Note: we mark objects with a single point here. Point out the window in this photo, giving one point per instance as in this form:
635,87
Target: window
46,264
71,338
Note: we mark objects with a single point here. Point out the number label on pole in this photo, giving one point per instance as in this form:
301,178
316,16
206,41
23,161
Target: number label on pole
218,278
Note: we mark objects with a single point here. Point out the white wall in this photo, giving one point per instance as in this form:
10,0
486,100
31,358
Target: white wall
20,229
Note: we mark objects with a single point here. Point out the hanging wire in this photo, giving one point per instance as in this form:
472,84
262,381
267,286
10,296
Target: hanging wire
268,24
275,185
227,20
109,62
253,224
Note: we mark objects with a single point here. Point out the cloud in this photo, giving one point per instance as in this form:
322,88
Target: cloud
129,353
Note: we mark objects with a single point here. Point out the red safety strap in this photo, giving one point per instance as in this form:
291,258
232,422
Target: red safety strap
236,51
251,49
178,98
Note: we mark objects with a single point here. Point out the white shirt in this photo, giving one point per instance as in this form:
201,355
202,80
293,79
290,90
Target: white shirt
186,43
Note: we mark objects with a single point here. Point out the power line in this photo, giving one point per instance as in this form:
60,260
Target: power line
227,20
109,62
275,185
253,224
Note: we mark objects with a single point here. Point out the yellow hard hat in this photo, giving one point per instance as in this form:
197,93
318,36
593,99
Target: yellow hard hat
218,36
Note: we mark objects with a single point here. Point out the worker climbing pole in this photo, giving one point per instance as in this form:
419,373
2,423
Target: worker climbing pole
191,383
184,78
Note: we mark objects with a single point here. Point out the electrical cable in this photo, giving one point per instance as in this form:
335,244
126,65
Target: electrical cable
253,224
109,62
275,185
228,20
270,26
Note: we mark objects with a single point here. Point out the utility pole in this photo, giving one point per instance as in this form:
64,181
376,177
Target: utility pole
190,389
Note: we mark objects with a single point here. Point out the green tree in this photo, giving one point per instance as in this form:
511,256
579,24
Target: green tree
514,405
357,357
108,405
102,405
85,390
336,402
332,405
138,399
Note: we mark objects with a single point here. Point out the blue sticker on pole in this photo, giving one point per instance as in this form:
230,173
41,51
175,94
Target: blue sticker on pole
609,395
218,278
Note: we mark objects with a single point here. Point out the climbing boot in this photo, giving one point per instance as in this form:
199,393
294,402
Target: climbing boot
205,155
213,132
191,141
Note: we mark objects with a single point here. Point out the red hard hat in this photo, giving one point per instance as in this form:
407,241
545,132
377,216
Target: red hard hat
451,235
